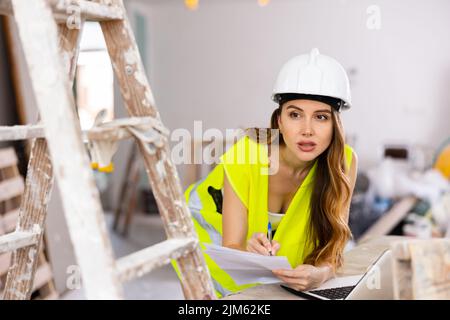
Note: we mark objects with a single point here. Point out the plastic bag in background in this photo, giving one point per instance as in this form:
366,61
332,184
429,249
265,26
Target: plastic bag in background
395,179
388,178
430,185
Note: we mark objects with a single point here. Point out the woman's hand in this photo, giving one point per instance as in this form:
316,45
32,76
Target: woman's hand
259,243
305,276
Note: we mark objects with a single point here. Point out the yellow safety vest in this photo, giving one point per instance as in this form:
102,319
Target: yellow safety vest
246,164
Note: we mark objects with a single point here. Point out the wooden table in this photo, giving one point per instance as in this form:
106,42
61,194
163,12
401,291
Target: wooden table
356,261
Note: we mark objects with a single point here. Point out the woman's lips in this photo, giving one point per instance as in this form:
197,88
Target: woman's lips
306,147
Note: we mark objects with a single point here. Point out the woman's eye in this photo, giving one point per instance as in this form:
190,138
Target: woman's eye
294,115
322,117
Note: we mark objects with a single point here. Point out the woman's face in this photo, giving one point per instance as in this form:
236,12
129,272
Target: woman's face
307,127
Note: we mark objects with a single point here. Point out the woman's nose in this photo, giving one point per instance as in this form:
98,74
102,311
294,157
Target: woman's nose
307,129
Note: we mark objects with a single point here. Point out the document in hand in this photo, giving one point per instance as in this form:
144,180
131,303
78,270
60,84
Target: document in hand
246,267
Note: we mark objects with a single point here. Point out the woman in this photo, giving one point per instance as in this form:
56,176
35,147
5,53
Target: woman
303,187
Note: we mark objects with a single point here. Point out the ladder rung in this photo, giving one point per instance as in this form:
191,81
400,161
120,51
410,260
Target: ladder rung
11,188
112,134
91,11
116,129
141,262
18,239
11,133
8,158
112,131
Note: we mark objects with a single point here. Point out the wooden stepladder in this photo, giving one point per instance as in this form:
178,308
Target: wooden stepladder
11,189
58,149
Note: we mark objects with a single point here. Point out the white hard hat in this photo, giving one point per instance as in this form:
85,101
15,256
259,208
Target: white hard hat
314,74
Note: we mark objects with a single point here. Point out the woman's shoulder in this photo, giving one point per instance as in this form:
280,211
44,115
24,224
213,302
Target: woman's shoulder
348,151
244,151
236,151
351,158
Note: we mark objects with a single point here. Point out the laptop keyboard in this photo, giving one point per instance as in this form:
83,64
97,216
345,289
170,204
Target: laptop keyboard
334,293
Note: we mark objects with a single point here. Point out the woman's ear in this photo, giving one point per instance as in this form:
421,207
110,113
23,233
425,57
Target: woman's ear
279,120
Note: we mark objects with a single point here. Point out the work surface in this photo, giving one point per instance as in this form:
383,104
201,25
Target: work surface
356,261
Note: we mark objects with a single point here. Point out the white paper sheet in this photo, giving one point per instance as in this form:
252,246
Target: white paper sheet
246,267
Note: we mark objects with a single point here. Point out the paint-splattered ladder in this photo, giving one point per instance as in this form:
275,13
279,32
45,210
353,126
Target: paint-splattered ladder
66,157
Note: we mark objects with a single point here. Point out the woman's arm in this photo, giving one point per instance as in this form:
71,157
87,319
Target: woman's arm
234,219
326,270
235,226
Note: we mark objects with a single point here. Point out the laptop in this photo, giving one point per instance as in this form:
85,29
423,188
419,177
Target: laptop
374,284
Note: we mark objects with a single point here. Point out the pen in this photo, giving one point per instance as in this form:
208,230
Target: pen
269,235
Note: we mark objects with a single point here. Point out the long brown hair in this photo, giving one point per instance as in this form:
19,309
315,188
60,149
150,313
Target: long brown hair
331,190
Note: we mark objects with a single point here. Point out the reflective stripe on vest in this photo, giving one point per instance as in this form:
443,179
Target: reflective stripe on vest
195,205
223,292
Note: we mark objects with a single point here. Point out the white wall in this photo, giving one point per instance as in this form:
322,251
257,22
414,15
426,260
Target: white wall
218,63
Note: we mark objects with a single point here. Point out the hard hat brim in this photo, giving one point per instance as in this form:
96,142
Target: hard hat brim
336,103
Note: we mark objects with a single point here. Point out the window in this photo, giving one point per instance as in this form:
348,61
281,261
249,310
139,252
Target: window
94,77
